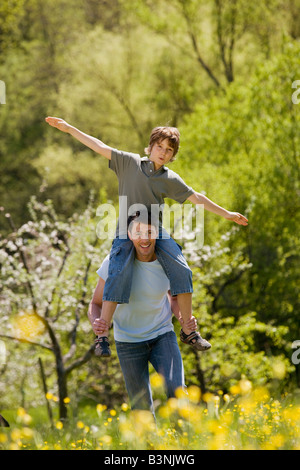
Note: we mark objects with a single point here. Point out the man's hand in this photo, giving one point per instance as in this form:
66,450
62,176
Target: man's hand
236,217
99,326
190,324
58,123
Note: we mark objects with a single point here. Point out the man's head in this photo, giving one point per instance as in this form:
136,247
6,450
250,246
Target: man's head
143,231
163,140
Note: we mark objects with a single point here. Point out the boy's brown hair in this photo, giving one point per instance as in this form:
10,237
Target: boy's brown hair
161,133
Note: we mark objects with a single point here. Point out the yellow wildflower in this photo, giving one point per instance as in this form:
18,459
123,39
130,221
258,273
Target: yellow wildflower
156,380
194,393
124,407
3,438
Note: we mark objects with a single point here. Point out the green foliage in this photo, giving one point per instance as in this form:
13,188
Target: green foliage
10,16
245,343
66,174
48,271
220,71
245,146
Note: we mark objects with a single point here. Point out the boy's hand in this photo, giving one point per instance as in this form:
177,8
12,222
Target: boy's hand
100,326
236,217
58,123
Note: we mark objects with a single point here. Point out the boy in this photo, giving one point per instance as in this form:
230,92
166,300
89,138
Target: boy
147,181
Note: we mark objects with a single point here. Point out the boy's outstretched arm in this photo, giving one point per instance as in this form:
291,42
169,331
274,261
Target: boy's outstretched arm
209,205
88,140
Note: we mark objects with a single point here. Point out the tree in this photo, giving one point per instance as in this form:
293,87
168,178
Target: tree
212,33
35,38
11,13
245,149
224,312
45,268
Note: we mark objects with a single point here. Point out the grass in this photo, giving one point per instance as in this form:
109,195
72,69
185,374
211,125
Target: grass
247,418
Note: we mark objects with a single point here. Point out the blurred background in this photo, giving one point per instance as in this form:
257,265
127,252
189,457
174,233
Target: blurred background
222,71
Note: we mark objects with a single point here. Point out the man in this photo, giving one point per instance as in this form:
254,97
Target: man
143,328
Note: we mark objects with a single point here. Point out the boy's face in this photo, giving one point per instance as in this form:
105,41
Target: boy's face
161,153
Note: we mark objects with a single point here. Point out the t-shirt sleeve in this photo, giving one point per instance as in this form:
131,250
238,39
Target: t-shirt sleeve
177,188
103,270
121,162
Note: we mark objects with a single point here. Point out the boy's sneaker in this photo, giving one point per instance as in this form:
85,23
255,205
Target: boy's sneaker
195,340
102,348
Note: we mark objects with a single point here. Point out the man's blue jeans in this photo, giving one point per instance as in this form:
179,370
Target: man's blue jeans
164,354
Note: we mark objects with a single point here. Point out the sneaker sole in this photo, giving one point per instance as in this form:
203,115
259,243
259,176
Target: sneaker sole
99,354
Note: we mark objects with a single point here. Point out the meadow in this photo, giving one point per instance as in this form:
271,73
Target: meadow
247,418
226,74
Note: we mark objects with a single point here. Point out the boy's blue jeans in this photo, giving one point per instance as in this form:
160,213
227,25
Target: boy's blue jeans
164,354
118,284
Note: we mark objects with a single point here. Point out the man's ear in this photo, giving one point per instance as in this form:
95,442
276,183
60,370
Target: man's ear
129,235
156,233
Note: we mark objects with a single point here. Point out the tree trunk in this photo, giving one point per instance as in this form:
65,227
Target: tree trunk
62,387
45,390
200,373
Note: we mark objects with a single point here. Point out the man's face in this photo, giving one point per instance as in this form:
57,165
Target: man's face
143,237
161,153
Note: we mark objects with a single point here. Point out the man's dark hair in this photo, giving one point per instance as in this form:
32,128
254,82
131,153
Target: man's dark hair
144,217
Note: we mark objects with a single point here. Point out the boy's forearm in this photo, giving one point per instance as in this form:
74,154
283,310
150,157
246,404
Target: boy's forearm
209,205
91,142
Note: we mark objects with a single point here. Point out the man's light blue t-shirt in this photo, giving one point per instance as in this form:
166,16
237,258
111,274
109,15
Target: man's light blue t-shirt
148,313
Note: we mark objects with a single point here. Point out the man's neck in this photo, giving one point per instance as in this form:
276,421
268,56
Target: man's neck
146,259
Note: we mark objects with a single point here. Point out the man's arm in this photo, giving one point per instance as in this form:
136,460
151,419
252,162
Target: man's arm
89,141
94,311
174,305
209,205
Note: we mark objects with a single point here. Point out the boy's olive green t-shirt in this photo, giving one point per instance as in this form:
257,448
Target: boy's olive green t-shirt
140,183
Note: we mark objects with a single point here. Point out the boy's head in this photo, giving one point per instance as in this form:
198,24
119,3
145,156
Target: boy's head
159,134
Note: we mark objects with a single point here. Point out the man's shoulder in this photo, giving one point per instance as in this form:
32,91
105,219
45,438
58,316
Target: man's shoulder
103,270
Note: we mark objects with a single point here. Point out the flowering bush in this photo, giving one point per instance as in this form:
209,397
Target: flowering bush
47,267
